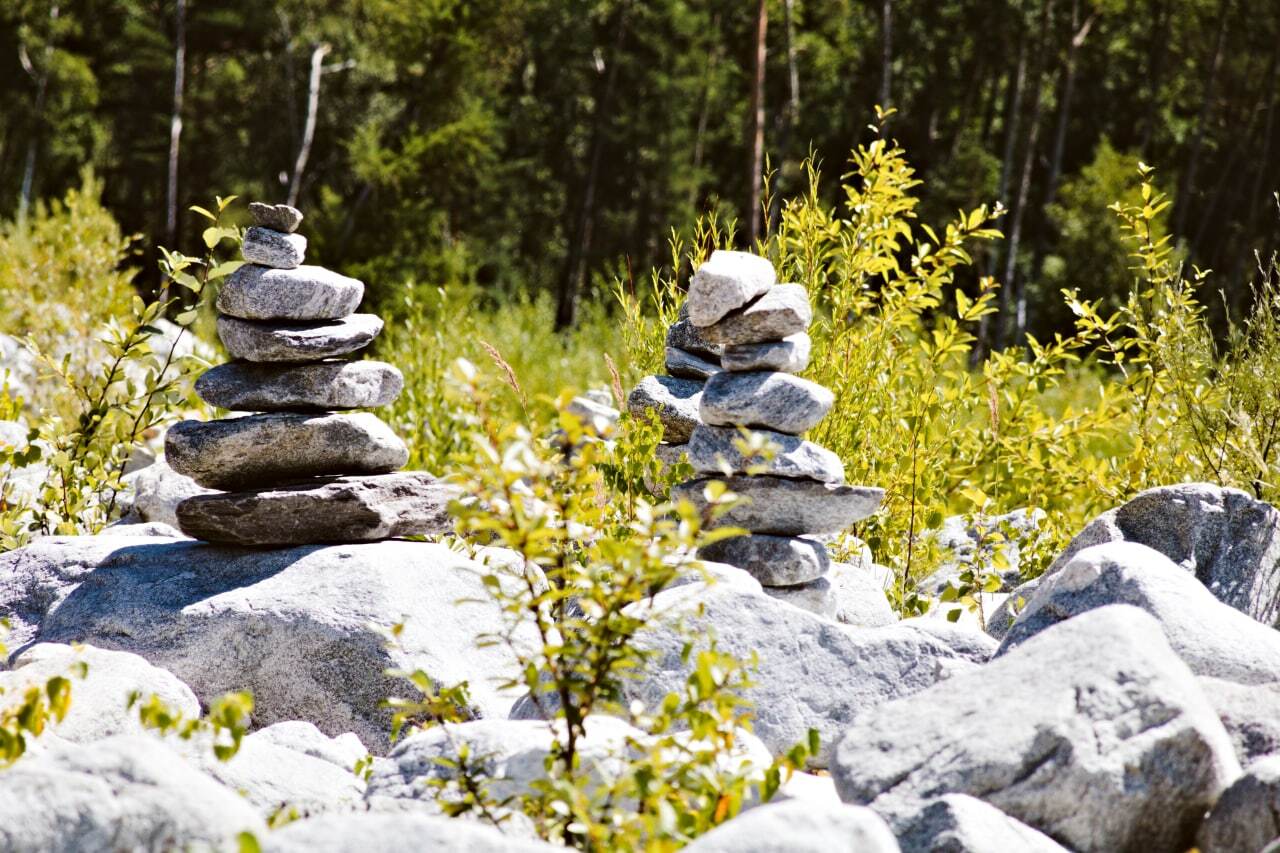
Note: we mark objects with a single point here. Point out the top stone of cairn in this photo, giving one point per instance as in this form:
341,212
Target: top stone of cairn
277,217
727,281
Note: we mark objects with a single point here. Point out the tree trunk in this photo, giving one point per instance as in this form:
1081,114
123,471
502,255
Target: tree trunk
1012,122
1079,32
755,132
787,118
704,109
1186,186
309,126
580,237
41,78
886,54
175,120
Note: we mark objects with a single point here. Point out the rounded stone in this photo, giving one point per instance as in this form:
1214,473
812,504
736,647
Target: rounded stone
781,312
727,281
255,292
322,386
273,248
789,355
715,450
772,560
776,401
260,341
342,509
674,400
785,507
279,448
277,217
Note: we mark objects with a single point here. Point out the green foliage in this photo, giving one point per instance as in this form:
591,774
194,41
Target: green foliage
225,723
37,705
572,617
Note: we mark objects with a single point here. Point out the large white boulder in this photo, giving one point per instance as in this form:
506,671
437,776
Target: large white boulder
797,826
1100,738
99,700
1213,638
121,793
301,628
395,833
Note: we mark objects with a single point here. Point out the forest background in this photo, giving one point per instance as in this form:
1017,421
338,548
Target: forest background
546,148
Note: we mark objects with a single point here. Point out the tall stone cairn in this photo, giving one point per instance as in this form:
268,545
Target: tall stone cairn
734,354
302,468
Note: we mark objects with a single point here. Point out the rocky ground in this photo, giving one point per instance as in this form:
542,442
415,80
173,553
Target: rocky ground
1131,704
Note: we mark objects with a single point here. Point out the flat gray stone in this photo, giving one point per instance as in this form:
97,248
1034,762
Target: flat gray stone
343,509
277,217
1213,638
786,507
682,334
674,400
259,341
781,312
255,292
689,366
789,355
1247,815
725,281
277,448
1225,537
772,560
776,401
797,826
320,386
715,450
1093,733
273,248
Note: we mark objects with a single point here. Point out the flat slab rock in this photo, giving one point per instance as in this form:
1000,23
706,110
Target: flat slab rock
682,334
726,281
321,386
716,450
343,509
277,217
688,365
674,400
783,310
789,355
273,248
277,448
786,507
772,560
1093,733
255,292
776,401
261,341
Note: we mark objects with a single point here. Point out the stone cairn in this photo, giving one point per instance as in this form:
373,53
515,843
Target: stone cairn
733,355
300,469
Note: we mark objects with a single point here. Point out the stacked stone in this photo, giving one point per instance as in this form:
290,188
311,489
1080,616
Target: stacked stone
300,468
791,501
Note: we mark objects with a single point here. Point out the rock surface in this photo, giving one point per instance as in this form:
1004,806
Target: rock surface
813,673
273,248
799,827
395,833
1226,538
782,311
300,627
786,507
772,560
956,823
277,217
725,281
715,450
1250,713
276,448
307,293
252,340
1247,816
774,401
1213,638
122,793
674,400
158,489
1101,739
685,364
340,509
789,355
682,334
322,386
99,700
